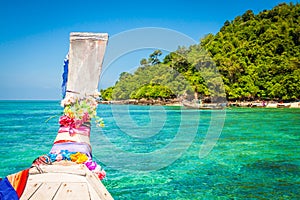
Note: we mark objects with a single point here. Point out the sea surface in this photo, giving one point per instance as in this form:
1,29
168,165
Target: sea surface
156,152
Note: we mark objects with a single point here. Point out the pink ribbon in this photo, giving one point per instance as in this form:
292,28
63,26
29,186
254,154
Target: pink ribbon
82,130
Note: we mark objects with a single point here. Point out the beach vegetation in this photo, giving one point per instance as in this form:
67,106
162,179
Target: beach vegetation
253,56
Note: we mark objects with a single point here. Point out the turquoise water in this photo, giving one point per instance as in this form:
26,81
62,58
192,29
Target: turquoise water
257,155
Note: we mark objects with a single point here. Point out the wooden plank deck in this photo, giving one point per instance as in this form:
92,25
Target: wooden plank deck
72,191
64,181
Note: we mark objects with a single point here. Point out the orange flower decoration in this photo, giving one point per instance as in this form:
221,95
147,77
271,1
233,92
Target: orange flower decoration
79,158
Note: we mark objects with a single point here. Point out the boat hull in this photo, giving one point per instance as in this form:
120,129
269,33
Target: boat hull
211,106
64,180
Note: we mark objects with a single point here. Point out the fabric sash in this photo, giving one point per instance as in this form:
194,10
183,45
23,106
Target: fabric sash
73,147
83,130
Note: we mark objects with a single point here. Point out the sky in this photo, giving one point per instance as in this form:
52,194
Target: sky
34,36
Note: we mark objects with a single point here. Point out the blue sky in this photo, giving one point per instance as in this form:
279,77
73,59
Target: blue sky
34,35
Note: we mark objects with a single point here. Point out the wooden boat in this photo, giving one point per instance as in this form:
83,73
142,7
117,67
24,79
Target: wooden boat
283,105
68,171
64,180
257,105
200,106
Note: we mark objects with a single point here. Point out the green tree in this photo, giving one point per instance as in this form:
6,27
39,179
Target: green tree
107,94
257,56
144,62
154,57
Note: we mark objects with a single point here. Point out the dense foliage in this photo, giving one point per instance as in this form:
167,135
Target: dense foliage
257,56
157,81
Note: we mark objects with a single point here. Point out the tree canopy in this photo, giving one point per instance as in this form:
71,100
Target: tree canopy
254,56
258,55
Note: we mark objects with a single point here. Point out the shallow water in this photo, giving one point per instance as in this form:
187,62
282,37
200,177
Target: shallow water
152,152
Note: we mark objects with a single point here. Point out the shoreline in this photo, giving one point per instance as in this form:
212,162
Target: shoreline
177,102
152,102
264,104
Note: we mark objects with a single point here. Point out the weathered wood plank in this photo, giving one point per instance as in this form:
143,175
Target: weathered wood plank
90,186
56,177
73,191
30,189
86,55
98,186
46,191
65,167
